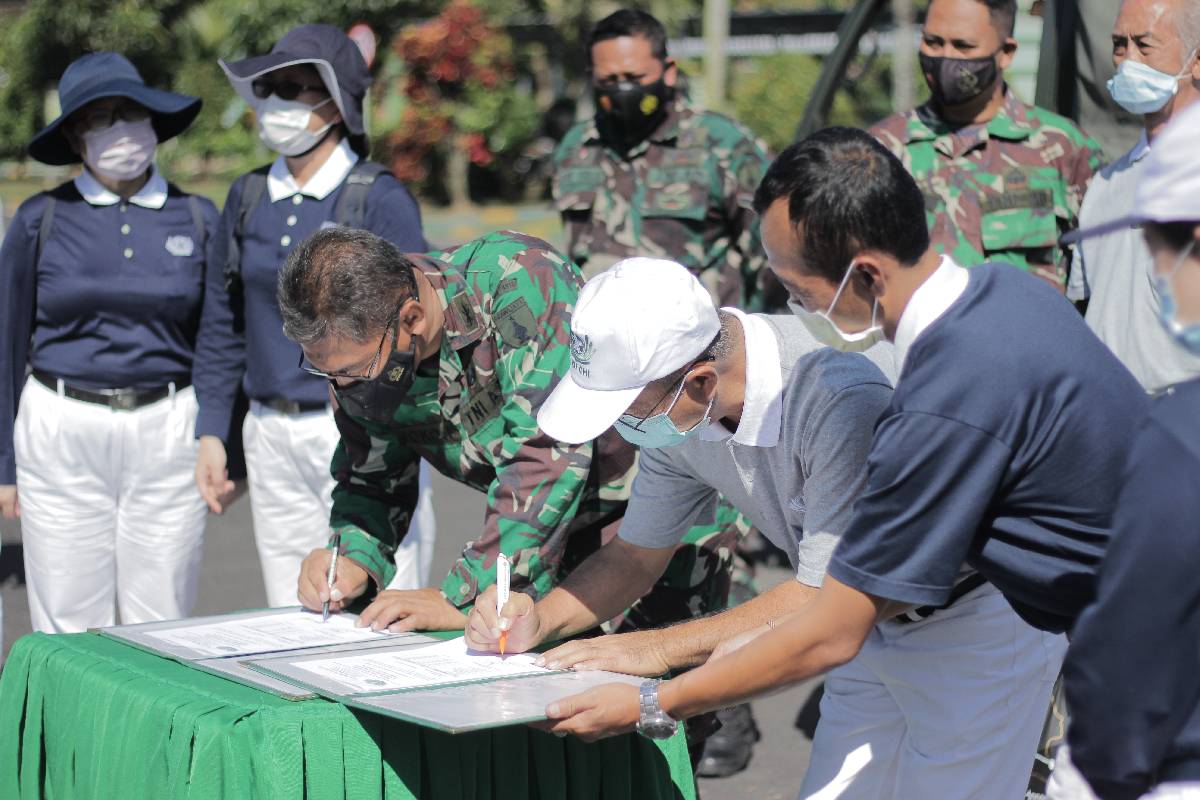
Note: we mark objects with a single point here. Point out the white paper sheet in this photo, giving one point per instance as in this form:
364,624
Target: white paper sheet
249,635
416,667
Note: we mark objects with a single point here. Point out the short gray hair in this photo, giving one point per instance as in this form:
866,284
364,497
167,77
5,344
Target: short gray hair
342,282
1187,20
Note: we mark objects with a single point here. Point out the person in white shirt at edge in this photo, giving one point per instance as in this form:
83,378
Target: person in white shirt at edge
1155,44
755,408
307,94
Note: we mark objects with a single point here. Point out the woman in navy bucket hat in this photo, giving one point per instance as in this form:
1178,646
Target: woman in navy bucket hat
307,96
101,285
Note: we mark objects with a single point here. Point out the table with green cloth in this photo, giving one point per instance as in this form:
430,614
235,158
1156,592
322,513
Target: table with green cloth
85,716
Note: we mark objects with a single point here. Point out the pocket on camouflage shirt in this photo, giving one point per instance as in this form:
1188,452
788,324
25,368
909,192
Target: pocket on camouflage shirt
575,188
1019,228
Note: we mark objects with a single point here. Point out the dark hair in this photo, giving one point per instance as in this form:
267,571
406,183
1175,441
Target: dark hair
344,282
1003,14
850,194
630,22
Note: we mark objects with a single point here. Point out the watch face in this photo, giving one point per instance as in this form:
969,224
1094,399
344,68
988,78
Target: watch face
657,730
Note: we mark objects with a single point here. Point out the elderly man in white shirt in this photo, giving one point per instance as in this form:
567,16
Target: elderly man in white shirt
1158,75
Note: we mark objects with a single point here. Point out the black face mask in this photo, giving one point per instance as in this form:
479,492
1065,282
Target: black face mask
955,81
377,399
628,112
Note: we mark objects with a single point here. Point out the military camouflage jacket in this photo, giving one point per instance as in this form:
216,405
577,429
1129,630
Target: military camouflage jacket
507,301
686,193
1002,191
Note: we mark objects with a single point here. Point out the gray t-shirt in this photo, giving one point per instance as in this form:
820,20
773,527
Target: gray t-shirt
799,490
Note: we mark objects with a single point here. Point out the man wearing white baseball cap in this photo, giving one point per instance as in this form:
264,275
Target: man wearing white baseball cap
754,408
1131,677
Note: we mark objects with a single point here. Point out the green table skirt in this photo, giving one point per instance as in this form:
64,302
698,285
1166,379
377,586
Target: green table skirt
83,716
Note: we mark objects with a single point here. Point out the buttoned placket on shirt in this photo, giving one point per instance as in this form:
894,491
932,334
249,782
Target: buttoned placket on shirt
153,195
282,185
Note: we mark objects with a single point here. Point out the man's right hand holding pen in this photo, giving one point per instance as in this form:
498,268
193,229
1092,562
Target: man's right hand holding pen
518,618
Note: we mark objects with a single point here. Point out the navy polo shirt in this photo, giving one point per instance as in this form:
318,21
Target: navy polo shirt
113,302
1002,449
1132,675
261,357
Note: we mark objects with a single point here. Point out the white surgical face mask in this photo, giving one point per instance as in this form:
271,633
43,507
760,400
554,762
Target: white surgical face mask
122,151
283,125
821,325
1140,89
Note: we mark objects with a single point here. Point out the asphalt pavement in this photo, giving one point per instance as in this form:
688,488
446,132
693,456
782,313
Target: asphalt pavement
230,580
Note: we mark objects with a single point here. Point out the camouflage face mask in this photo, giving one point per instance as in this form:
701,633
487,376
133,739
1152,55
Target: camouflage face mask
955,81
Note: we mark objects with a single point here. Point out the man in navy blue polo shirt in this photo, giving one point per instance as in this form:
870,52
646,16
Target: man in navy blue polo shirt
1131,677
995,453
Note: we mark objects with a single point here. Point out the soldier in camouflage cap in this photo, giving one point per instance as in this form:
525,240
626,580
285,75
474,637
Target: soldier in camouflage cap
651,176
1002,180
447,357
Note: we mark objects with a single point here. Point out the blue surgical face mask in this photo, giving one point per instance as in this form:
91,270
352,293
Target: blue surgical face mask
1140,89
1186,335
659,430
821,325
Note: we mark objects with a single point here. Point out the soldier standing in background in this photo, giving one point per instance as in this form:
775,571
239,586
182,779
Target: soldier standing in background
1002,180
650,175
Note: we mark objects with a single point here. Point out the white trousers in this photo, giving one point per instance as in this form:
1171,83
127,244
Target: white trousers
291,495
1068,783
109,509
950,707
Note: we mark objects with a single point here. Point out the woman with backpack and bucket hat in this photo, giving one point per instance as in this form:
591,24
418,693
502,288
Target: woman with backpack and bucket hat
101,286
307,95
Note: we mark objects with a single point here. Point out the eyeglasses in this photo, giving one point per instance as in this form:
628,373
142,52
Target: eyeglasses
677,391
96,118
284,90
393,321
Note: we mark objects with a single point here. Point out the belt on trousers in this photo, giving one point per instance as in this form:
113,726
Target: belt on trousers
960,590
291,407
116,399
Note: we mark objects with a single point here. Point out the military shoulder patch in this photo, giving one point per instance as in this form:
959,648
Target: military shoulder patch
515,323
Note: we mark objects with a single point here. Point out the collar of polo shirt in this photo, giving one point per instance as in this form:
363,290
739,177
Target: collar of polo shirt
153,195
281,184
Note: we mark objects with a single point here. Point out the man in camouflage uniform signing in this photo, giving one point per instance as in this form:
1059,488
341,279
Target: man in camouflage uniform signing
447,357
651,176
1002,179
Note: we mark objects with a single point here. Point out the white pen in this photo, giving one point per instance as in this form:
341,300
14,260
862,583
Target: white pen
503,574
337,544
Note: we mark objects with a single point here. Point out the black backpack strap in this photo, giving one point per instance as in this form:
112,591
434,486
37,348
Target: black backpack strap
253,189
44,227
351,207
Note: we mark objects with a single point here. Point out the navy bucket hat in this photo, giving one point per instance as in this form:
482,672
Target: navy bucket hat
334,55
106,74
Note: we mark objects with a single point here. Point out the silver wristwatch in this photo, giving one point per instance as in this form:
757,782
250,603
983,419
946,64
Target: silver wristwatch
653,722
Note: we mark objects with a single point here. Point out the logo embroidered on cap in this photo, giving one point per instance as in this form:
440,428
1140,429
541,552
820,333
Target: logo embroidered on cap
180,245
582,351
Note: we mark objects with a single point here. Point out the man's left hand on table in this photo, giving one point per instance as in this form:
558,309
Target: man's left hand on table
595,714
400,610
634,653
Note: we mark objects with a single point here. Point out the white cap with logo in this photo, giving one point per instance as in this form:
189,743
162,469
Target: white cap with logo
1168,190
634,323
